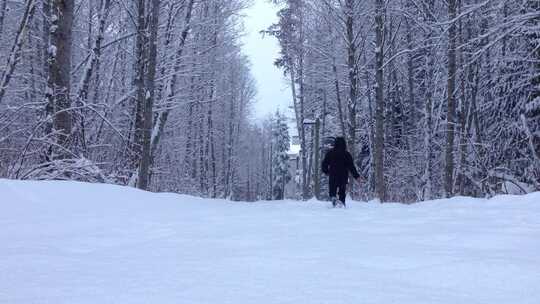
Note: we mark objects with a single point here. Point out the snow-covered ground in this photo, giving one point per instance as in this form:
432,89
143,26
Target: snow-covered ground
66,242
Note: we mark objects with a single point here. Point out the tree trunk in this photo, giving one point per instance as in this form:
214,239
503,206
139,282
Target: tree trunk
451,101
230,146
338,99
371,129
316,170
139,98
303,142
466,79
428,89
59,75
298,102
44,49
353,73
202,155
149,84
380,186
211,143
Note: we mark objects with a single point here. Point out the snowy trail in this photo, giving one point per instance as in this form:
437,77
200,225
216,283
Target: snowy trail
66,242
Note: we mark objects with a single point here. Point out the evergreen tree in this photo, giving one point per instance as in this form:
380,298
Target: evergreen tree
280,158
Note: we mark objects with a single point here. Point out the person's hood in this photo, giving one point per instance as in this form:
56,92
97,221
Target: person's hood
340,144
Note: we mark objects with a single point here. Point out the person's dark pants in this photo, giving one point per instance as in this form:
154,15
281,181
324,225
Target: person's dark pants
339,187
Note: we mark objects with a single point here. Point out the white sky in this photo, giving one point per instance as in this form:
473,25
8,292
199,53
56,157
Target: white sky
273,92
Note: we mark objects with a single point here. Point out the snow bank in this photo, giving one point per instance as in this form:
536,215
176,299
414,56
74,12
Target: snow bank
67,242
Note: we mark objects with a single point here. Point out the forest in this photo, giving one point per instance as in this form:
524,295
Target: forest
435,98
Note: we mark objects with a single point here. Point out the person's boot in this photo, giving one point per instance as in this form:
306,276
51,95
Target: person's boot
334,201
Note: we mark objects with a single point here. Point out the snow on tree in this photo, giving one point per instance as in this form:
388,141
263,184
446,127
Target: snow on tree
280,157
434,97
446,89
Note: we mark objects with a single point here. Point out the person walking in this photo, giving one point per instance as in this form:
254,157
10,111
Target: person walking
337,164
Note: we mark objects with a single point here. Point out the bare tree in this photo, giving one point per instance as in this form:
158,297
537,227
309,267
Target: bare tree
20,38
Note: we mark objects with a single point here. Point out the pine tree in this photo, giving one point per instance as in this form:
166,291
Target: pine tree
280,158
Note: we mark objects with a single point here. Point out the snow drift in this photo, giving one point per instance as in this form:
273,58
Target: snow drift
67,242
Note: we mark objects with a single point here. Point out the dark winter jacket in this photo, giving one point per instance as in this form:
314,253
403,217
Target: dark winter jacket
338,162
